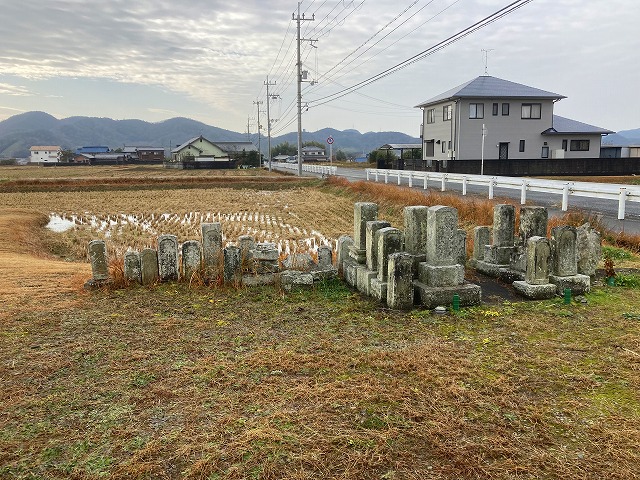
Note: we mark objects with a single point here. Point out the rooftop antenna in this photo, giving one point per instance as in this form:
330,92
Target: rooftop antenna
485,56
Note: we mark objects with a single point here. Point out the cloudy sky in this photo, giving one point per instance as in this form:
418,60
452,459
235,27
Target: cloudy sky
208,60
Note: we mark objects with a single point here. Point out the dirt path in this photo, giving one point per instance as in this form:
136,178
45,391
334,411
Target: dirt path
28,280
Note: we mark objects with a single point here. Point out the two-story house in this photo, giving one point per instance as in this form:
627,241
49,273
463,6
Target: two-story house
517,122
45,154
202,153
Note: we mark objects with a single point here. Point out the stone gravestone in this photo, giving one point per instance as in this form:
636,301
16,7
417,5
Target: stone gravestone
497,256
191,261
247,244
536,280
232,264
98,259
212,251
400,285
389,240
589,249
168,258
533,223
363,212
132,267
371,246
481,239
565,262
441,275
415,229
97,250
344,245
149,266
325,257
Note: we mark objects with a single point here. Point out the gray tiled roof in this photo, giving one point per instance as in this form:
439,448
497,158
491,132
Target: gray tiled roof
236,147
566,125
399,146
491,87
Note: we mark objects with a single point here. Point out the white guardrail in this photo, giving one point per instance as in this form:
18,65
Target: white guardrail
613,191
321,169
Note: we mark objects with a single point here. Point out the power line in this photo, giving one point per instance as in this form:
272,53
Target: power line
425,53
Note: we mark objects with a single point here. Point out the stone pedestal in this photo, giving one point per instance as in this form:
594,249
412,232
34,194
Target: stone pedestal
534,292
431,297
578,284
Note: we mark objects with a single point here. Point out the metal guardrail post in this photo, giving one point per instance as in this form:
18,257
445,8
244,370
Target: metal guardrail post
386,177
523,193
426,180
622,199
491,183
376,175
410,179
565,197
443,186
464,185
367,170
399,181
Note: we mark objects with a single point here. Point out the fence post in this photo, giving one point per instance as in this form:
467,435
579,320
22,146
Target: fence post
367,170
410,179
491,183
565,197
443,186
622,198
398,177
464,185
523,193
386,176
426,180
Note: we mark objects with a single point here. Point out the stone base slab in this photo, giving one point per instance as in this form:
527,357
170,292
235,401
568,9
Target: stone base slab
324,274
259,279
440,275
378,290
509,275
535,292
578,284
363,278
295,279
489,269
430,297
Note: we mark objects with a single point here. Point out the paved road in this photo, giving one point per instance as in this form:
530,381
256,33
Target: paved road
606,209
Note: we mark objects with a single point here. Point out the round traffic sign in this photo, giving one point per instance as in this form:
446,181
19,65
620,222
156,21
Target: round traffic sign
330,140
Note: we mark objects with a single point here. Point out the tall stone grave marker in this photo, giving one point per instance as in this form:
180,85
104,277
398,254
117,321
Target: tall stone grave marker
168,258
149,266
191,261
536,281
212,251
565,262
132,267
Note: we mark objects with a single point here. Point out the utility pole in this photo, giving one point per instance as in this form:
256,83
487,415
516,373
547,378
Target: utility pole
258,103
299,19
248,132
269,119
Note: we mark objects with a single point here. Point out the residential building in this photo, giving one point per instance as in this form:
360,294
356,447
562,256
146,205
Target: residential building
518,122
144,154
314,154
91,150
45,153
202,153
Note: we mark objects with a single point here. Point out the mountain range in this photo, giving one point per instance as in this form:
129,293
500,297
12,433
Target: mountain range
623,138
20,132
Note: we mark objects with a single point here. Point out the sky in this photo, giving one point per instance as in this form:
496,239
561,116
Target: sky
209,60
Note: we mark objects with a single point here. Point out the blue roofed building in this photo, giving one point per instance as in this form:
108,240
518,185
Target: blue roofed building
90,150
518,121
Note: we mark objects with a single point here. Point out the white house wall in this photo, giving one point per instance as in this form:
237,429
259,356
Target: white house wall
440,130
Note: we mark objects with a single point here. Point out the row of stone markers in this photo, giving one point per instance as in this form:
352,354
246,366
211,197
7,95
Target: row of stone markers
539,267
208,262
423,264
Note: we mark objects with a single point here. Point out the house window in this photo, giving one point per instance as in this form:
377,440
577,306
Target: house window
444,146
476,110
521,146
428,148
531,110
447,111
579,145
564,145
505,109
431,115
545,152
449,144
495,109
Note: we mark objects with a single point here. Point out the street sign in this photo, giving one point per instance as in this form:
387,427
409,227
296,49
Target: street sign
330,140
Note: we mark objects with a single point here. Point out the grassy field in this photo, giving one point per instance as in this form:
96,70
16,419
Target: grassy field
206,383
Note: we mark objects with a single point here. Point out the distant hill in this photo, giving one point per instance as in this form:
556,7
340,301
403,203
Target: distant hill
623,138
20,132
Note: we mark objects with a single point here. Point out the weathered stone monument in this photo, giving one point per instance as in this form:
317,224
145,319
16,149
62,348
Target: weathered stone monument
232,264
441,275
168,258
99,264
565,262
149,266
536,282
400,290
495,258
588,245
355,267
533,223
191,261
212,254
389,240
132,267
